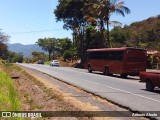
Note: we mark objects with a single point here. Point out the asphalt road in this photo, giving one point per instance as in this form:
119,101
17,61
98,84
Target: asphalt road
126,92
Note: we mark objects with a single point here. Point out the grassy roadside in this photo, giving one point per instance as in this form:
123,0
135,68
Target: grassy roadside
9,98
8,95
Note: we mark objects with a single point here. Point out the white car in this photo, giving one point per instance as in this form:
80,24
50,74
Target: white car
54,63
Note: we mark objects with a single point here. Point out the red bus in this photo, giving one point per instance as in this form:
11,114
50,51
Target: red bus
124,61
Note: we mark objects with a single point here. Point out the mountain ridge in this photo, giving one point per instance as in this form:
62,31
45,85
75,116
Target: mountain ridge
26,50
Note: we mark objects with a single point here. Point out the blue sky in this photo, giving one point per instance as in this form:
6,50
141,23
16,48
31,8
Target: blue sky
28,20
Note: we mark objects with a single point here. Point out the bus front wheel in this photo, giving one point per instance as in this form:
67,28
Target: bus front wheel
89,69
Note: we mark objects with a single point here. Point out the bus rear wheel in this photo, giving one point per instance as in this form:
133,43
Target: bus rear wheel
89,69
106,72
124,75
149,86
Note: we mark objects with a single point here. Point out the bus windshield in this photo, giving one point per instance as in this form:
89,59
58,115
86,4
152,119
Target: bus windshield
137,56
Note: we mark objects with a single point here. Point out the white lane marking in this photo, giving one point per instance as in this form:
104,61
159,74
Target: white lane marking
123,91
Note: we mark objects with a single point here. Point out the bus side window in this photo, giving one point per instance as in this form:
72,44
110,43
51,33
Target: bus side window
106,55
98,55
116,55
88,56
112,55
94,55
102,55
119,55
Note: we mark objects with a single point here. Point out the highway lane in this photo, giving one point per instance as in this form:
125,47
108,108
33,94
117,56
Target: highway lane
126,92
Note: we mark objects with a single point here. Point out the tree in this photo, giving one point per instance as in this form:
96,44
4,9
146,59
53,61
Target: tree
92,13
64,44
103,9
69,54
92,37
38,56
14,57
70,12
118,37
114,6
48,44
3,43
18,57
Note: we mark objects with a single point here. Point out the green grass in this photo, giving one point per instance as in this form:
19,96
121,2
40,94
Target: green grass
47,63
8,95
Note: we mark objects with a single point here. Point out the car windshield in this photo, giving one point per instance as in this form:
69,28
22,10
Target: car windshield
55,60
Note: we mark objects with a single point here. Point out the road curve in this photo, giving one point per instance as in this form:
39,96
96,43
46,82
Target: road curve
126,92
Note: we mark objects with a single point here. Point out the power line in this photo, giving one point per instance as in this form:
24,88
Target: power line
38,31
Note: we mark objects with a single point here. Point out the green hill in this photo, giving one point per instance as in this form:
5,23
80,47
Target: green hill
145,34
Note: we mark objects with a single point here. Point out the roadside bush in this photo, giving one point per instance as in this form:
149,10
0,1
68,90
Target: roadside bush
67,55
153,61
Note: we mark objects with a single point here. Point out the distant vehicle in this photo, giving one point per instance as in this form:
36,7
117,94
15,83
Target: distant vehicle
40,61
124,61
54,63
151,79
